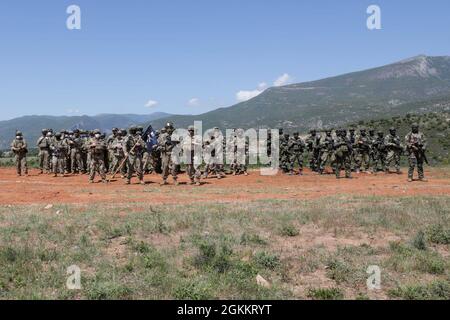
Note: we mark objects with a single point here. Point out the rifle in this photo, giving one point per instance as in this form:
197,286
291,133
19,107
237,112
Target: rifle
124,161
419,148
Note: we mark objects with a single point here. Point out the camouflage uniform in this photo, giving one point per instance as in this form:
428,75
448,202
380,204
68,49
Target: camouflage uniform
97,148
326,151
241,153
352,139
43,144
20,150
372,138
312,143
296,147
211,154
66,138
363,145
76,158
284,153
343,152
109,142
379,150
192,149
393,149
86,145
165,146
118,154
416,144
59,150
134,146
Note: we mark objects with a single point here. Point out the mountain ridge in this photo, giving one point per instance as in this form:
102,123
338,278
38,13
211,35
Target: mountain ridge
414,85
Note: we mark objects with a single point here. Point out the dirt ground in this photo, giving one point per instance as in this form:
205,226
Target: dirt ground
44,189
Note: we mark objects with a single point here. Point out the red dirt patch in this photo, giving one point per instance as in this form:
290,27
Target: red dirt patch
44,189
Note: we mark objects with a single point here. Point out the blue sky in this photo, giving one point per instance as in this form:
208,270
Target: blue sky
195,56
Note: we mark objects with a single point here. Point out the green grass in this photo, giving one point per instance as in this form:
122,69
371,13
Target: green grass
325,294
215,251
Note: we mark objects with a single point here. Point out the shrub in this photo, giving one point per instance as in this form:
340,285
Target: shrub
325,294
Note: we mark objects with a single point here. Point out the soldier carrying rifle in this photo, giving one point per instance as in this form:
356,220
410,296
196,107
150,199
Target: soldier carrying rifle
416,146
20,150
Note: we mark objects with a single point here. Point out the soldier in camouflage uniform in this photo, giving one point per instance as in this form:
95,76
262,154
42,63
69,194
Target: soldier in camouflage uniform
352,138
363,145
241,154
326,150
118,153
192,148
87,142
372,138
76,158
379,150
211,156
109,142
284,153
43,144
97,148
134,147
165,147
312,143
20,149
416,146
66,137
394,150
343,151
296,147
59,150
51,139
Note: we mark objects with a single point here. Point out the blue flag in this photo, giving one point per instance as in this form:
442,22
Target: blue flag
149,136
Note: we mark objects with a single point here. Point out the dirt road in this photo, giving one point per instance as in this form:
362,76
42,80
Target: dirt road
44,189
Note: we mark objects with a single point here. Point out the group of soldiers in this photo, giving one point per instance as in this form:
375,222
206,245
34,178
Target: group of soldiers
363,151
134,152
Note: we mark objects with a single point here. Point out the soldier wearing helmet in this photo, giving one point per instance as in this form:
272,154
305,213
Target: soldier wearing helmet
343,151
59,150
165,147
97,149
134,147
296,147
416,146
379,153
119,153
109,141
192,149
76,157
312,145
20,149
43,144
362,151
326,151
394,150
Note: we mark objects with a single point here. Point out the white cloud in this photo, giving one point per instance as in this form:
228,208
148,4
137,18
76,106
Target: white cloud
151,103
283,80
244,95
73,111
194,102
